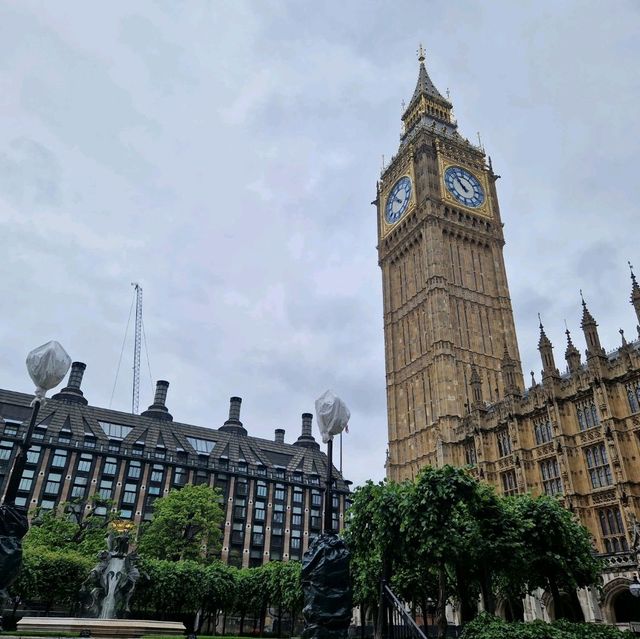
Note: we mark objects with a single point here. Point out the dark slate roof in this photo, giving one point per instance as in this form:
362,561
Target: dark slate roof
59,415
426,87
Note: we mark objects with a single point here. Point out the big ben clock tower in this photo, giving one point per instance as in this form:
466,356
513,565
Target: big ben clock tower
448,322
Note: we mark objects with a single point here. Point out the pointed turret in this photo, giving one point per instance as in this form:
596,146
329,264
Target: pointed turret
546,353
426,101
509,374
590,329
572,354
635,296
476,388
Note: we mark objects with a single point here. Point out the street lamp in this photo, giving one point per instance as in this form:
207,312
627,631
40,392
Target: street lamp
325,565
634,586
47,366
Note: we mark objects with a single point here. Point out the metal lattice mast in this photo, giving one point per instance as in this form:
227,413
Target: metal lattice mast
135,399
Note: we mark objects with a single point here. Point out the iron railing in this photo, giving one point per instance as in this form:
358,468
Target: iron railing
399,623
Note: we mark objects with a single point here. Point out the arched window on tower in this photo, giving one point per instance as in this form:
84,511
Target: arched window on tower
633,396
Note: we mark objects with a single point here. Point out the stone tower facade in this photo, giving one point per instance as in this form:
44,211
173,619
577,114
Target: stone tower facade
454,382
448,321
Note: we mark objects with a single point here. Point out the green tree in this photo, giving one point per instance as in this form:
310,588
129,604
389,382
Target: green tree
250,594
434,528
373,534
559,550
185,525
52,578
284,589
75,526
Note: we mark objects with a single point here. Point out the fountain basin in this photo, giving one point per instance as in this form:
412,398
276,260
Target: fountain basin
116,628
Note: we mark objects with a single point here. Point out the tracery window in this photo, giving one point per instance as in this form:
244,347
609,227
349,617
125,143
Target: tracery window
598,465
612,529
550,473
587,414
470,452
504,443
509,483
633,395
542,430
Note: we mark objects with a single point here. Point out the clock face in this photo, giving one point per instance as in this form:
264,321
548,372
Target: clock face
464,186
398,200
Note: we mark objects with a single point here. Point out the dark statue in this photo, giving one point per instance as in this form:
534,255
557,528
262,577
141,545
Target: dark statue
107,591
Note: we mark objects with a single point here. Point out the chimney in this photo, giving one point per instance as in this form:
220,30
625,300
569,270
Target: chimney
158,410
71,393
233,424
279,435
306,439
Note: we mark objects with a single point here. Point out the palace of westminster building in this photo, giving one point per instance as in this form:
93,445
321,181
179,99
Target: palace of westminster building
455,390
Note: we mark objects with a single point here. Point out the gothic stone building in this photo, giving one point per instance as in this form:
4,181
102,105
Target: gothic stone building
455,391
272,492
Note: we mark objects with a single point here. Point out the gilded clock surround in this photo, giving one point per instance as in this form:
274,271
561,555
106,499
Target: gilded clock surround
483,209
387,185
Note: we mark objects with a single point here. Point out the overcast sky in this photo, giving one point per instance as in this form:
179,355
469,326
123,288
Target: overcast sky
225,154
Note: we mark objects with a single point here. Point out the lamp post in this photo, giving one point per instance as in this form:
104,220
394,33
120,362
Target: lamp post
325,565
47,366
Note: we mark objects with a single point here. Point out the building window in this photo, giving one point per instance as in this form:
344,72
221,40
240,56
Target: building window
257,538
279,493
201,445
53,483
261,489
296,539
115,431
260,511
504,442
241,487
237,533
110,466
180,476
509,484
33,454
27,480
59,458
550,473
612,530
89,441
296,520
105,488
633,396
598,465
79,488
157,473
587,414
5,450
470,457
38,433
129,495
297,496
316,498
64,436
84,463
542,430
261,471
135,470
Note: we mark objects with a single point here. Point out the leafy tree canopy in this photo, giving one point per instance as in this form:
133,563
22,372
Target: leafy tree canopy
185,525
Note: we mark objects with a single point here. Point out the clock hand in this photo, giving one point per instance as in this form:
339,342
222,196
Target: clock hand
397,199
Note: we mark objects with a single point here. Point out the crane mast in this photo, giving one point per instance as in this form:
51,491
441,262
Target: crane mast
135,398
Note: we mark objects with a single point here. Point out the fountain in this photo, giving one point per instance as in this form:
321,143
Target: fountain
105,595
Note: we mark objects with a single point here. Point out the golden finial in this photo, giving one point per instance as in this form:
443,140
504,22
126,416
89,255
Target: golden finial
420,53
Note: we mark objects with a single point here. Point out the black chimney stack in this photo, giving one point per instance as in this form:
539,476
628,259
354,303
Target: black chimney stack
306,439
71,393
158,410
233,424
